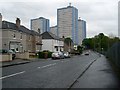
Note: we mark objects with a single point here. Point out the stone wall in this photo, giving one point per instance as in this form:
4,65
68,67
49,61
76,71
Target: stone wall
24,55
5,57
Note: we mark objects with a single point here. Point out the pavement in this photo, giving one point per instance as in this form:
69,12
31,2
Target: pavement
20,61
99,75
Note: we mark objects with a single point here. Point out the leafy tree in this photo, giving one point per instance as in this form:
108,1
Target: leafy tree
99,42
68,41
80,49
87,43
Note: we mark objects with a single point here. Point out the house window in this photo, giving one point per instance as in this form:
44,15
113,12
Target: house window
21,36
60,49
38,30
17,49
14,36
56,48
29,37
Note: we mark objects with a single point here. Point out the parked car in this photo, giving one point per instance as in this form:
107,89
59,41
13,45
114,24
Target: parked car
61,54
58,55
66,55
55,55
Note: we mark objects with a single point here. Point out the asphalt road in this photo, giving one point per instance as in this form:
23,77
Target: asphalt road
60,73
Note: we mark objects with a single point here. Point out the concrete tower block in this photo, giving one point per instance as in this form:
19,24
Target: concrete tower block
0,21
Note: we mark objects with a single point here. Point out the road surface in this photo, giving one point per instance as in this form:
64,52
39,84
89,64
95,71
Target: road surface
61,73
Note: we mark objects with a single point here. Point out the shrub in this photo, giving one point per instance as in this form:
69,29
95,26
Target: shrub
45,54
40,54
49,54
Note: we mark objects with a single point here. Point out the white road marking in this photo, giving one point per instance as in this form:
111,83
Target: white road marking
12,75
65,61
39,67
53,63
56,60
47,65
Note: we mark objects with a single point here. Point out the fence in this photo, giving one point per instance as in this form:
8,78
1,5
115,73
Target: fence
114,54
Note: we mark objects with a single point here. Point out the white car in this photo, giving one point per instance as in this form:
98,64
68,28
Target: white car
57,55
66,55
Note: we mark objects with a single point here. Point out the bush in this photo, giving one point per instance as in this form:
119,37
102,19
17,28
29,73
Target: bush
3,51
40,54
49,54
45,54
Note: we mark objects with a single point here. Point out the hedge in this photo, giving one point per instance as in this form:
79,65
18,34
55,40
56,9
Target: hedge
43,53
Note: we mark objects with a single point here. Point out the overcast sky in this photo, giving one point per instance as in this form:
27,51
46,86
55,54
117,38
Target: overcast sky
101,15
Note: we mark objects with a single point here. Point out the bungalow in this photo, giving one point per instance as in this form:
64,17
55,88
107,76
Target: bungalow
52,42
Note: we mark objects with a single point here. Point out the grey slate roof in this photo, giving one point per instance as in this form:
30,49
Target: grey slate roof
49,35
12,26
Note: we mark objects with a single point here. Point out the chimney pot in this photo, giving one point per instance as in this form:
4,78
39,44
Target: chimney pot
18,23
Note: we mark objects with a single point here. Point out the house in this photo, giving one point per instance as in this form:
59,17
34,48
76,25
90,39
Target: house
52,42
18,38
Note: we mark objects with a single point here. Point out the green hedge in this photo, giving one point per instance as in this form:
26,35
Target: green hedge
40,54
50,54
43,53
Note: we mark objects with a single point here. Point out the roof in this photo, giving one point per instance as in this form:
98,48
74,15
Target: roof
12,26
66,7
39,18
49,35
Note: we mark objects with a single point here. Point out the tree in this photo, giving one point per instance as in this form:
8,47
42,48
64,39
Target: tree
79,49
88,43
100,42
68,41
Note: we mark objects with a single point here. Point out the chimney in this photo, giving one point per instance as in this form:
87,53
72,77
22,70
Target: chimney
18,23
69,4
79,18
0,21
39,30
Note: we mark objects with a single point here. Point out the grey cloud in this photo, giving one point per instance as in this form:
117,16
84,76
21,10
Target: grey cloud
101,16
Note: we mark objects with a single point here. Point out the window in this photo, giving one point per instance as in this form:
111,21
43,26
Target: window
21,36
56,48
13,35
60,49
38,30
29,37
16,49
